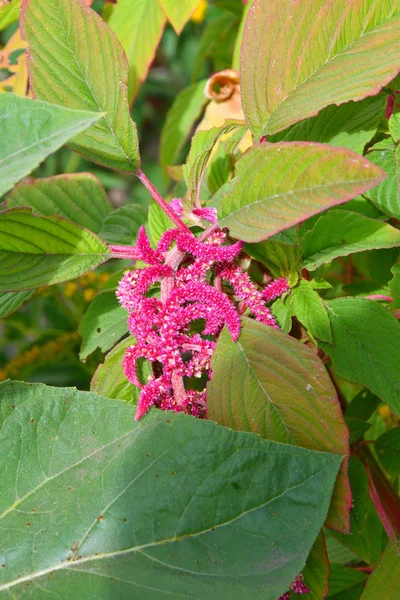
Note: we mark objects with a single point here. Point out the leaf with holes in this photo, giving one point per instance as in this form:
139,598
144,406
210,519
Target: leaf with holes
370,336
103,324
279,185
75,60
340,233
80,198
93,500
139,29
293,72
272,385
36,251
30,131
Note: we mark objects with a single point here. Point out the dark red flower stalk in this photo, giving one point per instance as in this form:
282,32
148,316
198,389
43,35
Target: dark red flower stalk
190,275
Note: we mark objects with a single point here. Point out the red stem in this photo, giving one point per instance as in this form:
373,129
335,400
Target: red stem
379,507
127,252
161,202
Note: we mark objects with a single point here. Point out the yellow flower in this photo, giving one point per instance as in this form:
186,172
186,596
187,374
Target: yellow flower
71,287
89,294
200,13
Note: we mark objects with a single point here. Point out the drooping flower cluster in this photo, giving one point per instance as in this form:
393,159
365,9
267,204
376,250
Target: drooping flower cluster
298,587
191,276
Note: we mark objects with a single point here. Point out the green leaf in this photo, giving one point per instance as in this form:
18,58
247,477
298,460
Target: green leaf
122,225
316,571
394,126
272,385
9,13
159,222
279,185
357,428
36,251
384,581
75,60
282,309
93,500
80,198
366,346
387,195
103,324
201,147
109,378
350,125
139,29
239,37
363,405
216,44
394,285
181,117
178,13
341,232
345,583
310,310
294,72
31,130
11,301
387,448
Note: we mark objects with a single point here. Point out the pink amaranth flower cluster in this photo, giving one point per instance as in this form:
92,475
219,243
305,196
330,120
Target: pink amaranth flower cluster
298,587
191,276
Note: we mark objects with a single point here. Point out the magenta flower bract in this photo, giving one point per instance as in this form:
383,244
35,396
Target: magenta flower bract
297,587
165,328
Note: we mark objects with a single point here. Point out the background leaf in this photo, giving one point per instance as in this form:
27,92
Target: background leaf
30,131
285,80
36,251
186,109
103,324
345,583
75,60
84,481
80,198
281,391
9,13
178,14
384,581
371,337
387,448
122,225
139,28
341,232
279,185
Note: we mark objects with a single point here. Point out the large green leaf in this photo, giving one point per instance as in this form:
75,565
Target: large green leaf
272,385
79,198
341,232
11,301
181,117
103,324
30,131
384,581
139,28
95,504
75,60
9,13
36,251
386,196
122,225
367,536
178,13
317,53
350,125
366,346
279,185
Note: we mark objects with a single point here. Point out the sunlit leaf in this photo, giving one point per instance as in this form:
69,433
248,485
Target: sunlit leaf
76,61
9,13
316,53
178,13
36,251
279,185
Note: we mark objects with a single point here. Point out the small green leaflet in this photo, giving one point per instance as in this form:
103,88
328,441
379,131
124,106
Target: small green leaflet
310,310
36,251
82,467
386,196
75,60
31,130
79,198
109,378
